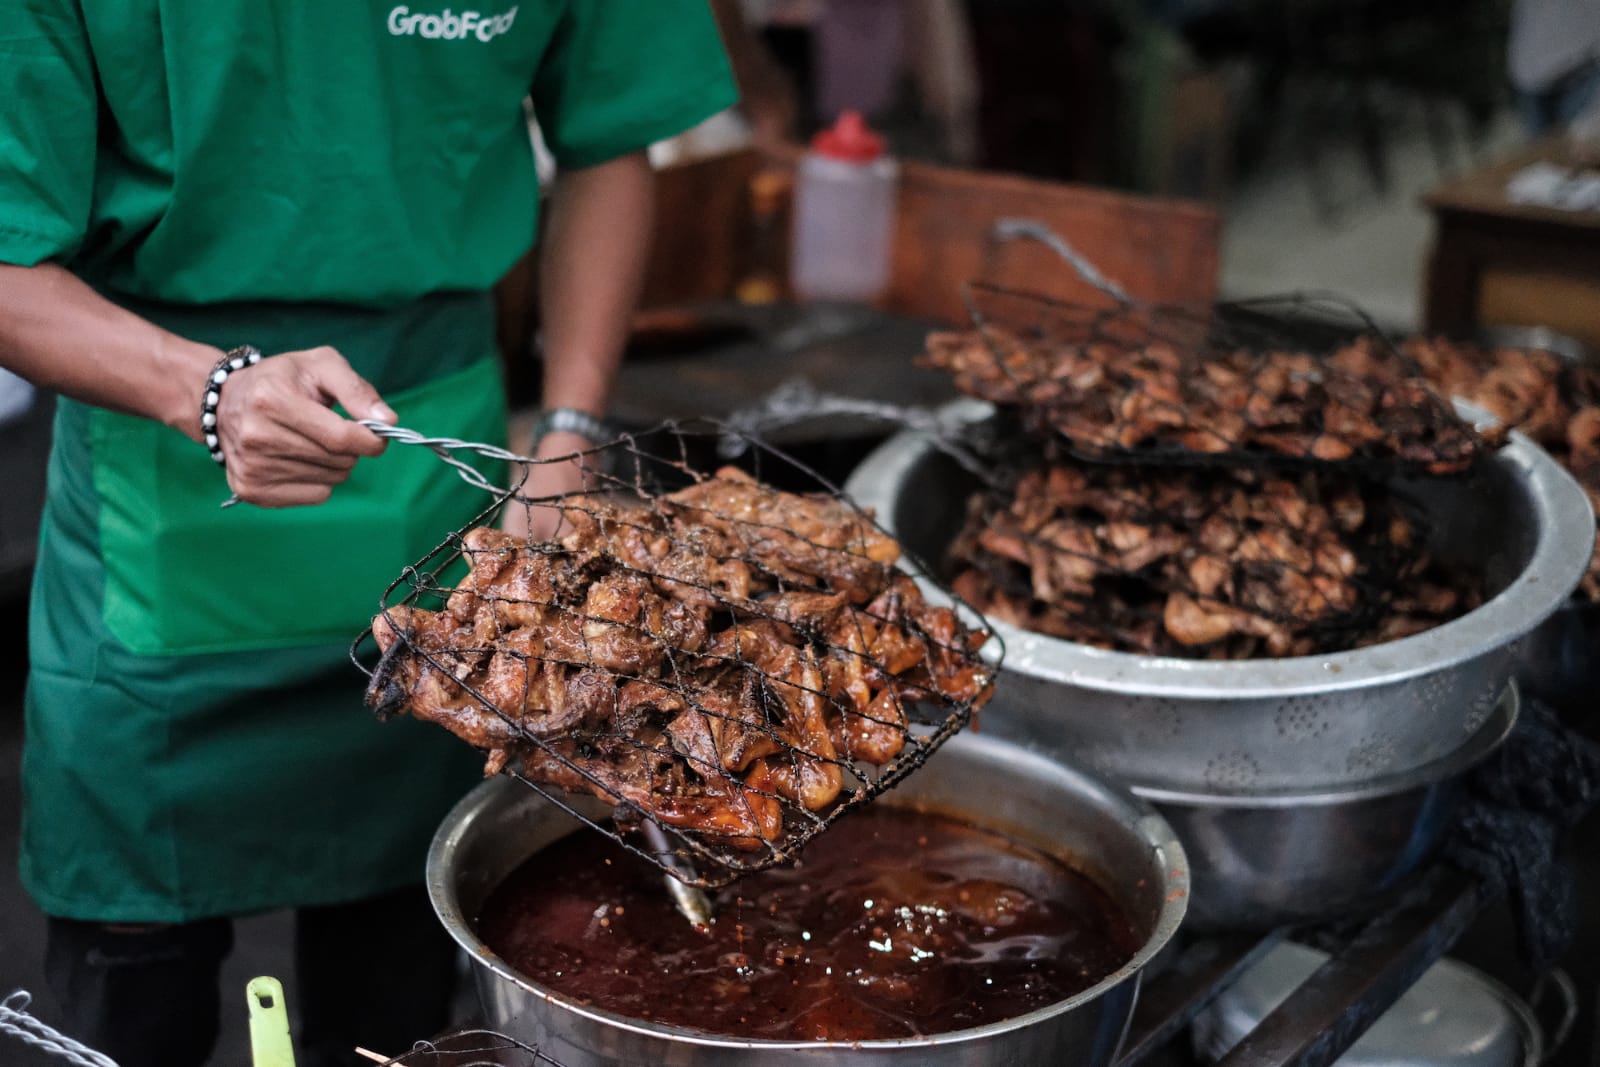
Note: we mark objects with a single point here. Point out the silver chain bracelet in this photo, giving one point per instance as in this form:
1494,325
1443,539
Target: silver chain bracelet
571,420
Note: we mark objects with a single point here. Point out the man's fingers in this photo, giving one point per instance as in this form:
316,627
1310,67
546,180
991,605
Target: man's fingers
285,446
285,496
324,428
280,406
299,430
337,381
306,453
257,472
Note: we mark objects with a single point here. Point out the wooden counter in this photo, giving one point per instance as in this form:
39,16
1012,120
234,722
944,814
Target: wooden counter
1158,249
1496,262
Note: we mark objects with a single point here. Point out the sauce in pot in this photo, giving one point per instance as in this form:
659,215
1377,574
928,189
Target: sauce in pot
895,923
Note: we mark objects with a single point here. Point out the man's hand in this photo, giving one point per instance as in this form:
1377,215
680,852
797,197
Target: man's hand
283,444
542,522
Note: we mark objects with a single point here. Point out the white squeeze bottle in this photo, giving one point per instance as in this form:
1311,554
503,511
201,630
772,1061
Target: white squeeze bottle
844,202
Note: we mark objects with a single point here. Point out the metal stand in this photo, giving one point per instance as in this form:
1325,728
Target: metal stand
1332,1009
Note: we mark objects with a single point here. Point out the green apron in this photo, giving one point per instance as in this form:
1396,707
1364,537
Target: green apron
285,174
196,743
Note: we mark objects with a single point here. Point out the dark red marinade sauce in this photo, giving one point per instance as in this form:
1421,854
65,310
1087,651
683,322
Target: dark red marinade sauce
895,923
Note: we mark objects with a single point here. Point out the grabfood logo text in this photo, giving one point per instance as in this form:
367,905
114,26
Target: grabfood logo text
449,26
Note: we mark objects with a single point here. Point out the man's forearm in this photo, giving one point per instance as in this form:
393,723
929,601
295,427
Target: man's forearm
596,245
60,334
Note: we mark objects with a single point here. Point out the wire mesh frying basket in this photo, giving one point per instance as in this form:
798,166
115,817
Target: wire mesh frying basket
1219,480
736,663
1301,379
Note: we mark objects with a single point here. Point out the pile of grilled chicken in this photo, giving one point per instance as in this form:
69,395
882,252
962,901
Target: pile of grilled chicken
1227,564
715,659
1146,396
1183,497
1556,404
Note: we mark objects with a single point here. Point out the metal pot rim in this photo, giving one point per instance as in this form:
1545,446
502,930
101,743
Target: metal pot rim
1482,744
1565,538
1157,834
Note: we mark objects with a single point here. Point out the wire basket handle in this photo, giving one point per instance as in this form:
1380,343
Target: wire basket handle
446,447
17,1022
1014,228
797,401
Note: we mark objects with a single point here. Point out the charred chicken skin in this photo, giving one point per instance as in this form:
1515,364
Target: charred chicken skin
715,660
1141,395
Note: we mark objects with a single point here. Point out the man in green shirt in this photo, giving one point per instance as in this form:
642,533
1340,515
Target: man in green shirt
336,184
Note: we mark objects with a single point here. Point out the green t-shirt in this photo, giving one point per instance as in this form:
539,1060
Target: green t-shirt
346,151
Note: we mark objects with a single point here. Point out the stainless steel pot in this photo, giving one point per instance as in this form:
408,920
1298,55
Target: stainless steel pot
1261,860
1129,849
1273,724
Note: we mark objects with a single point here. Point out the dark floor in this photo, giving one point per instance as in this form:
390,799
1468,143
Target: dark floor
262,942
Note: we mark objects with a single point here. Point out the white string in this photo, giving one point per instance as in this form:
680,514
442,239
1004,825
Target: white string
15,1021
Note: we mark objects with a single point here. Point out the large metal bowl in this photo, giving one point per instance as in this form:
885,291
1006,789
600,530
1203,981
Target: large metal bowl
1265,859
1106,834
1311,721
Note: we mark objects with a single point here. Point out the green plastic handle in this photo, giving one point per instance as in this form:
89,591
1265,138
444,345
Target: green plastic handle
269,1024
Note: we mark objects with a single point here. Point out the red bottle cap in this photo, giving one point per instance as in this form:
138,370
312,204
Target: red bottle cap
850,139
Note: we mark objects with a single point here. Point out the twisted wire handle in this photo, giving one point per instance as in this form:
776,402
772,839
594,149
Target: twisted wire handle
798,401
445,447
18,1023
1010,229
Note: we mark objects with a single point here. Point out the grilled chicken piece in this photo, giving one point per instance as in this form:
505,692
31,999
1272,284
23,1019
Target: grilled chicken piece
1191,623
803,540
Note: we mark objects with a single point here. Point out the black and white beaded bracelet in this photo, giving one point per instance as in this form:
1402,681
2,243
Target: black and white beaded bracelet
236,359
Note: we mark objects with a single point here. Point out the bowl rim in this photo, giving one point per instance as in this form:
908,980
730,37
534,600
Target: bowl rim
1135,814
1482,743
1563,547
